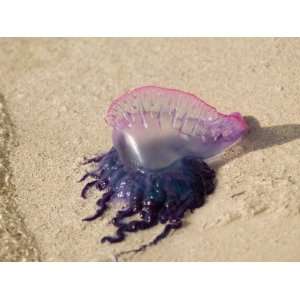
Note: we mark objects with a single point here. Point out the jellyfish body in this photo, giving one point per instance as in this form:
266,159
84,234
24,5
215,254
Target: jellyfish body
162,141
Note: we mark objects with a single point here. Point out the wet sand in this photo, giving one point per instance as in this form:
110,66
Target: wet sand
17,244
56,92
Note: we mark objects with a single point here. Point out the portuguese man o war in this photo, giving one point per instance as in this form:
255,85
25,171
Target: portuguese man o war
158,166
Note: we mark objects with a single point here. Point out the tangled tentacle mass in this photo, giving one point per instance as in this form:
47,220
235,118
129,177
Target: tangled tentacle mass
158,196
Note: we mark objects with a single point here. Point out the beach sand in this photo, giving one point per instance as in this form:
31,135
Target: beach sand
54,94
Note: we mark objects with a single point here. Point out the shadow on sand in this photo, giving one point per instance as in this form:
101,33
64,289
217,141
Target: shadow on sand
260,138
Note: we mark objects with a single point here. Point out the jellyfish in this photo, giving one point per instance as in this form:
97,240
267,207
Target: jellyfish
163,142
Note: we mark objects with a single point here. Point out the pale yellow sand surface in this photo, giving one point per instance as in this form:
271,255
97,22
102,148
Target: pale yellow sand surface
55,93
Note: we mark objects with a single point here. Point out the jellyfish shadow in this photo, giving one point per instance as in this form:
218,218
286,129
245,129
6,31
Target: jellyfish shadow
260,138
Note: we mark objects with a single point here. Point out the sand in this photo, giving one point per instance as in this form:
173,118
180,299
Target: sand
54,93
16,242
